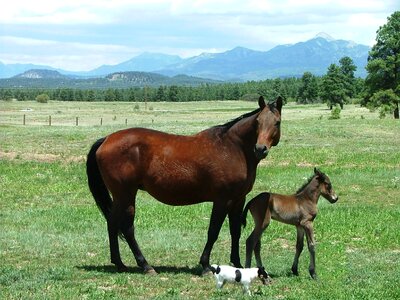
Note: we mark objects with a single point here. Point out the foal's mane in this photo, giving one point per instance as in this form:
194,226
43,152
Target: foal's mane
305,184
308,182
225,127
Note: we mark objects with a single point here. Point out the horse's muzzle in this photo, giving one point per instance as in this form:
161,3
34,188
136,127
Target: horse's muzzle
261,151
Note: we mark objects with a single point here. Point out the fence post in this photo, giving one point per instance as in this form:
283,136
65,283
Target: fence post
101,121
76,121
126,122
49,120
23,122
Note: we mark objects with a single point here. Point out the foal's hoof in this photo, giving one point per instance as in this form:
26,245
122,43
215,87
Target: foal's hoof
150,271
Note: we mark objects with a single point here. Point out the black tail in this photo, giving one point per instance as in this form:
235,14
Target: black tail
244,214
96,183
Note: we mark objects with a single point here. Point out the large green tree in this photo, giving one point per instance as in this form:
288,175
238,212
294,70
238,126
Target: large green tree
382,82
348,68
333,89
308,91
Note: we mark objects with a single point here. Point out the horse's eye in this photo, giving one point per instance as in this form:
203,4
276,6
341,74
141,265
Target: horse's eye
329,186
278,123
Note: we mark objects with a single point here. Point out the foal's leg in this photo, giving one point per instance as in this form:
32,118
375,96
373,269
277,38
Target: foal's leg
235,229
218,215
309,230
251,245
299,249
128,230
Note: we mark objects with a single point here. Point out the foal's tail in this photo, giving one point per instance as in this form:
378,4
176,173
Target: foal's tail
96,183
244,213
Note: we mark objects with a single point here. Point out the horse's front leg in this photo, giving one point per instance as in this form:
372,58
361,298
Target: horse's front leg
218,215
309,230
299,249
235,214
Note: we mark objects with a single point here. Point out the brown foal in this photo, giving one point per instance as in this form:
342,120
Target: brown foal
299,210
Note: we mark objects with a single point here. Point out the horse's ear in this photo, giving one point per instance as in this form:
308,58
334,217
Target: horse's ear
261,102
279,103
317,172
320,175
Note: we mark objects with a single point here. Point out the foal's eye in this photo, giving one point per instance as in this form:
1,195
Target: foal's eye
329,186
278,123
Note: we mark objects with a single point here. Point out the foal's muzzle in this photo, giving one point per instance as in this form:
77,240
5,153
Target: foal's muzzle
261,151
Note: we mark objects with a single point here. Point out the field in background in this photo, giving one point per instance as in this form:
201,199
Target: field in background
53,242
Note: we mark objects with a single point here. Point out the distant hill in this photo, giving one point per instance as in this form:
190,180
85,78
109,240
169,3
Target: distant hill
146,62
238,64
314,55
41,74
53,79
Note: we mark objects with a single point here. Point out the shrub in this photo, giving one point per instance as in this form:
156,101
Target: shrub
335,113
42,98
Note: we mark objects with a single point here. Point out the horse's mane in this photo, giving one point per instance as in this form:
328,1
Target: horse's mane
225,127
307,183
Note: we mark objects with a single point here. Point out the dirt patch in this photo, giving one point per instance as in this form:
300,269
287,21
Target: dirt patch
39,157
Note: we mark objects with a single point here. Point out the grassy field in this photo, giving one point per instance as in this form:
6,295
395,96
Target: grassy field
53,240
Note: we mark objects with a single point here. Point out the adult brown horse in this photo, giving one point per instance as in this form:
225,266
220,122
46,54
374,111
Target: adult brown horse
216,165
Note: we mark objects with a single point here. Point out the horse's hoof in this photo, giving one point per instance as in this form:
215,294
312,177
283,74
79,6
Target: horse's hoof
206,272
150,271
122,268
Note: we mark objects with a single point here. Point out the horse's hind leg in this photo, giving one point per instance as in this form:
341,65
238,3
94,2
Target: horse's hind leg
128,230
299,249
113,224
251,243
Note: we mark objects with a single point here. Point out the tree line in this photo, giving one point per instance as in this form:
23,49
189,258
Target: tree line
307,89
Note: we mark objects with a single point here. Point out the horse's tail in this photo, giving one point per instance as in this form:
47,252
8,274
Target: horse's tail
244,213
95,181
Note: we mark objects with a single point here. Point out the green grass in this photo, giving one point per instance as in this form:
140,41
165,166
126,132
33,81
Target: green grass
53,239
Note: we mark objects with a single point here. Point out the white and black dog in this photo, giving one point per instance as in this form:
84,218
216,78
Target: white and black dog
244,276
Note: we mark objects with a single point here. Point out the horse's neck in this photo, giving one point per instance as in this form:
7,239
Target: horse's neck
245,130
311,192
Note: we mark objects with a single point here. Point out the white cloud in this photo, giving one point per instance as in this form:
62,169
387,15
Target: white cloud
108,32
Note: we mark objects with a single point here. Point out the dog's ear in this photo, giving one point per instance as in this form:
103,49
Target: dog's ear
238,276
218,270
213,270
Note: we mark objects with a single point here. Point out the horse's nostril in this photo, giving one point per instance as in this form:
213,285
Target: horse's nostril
261,151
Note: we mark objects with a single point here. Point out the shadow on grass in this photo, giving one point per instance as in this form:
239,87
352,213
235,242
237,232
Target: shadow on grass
159,269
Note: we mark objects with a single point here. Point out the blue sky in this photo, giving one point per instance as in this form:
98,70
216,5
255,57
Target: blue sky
80,35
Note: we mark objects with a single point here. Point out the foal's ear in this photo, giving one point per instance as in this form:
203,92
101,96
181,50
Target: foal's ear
320,175
316,171
261,102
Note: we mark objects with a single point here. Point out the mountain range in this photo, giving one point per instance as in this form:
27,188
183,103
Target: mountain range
238,64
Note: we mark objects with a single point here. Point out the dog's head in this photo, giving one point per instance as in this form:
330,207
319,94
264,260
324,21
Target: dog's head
263,275
215,269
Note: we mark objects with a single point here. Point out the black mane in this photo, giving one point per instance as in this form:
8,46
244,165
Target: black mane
308,182
225,127
305,184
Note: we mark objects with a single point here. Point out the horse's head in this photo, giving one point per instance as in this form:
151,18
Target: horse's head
268,126
326,186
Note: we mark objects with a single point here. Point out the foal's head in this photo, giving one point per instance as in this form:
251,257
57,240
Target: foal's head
268,126
325,186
